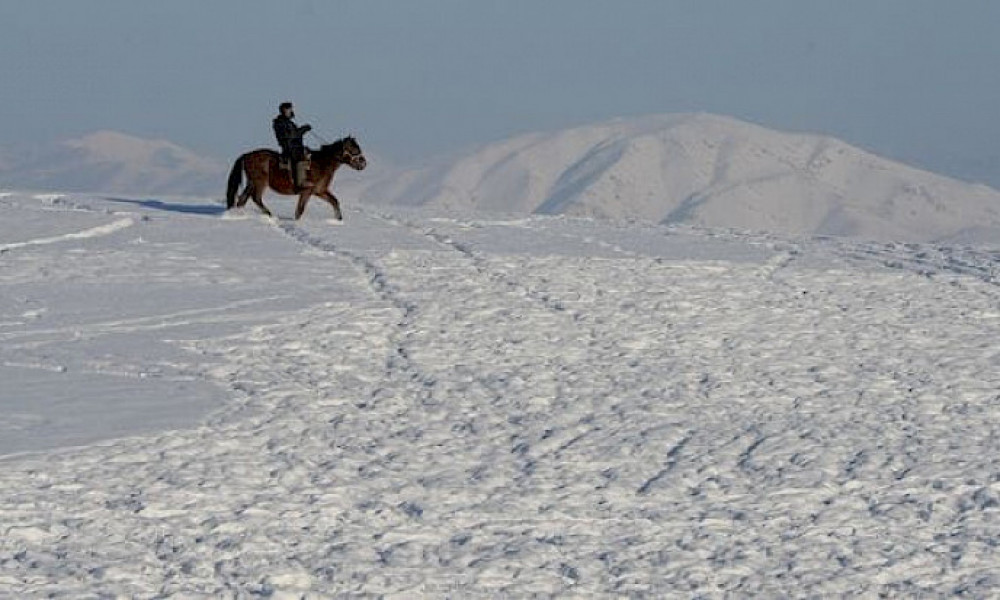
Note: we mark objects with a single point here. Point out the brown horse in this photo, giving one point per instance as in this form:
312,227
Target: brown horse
262,170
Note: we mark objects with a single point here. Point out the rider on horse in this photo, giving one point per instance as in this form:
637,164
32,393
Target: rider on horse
290,139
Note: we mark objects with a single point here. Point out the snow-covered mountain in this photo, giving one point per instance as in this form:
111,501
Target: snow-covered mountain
696,169
705,170
109,161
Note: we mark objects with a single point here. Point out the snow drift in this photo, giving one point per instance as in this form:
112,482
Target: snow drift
705,170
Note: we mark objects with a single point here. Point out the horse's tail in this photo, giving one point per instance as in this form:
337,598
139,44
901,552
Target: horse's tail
235,179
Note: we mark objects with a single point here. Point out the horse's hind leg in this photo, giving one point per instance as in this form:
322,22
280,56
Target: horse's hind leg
244,196
326,195
258,198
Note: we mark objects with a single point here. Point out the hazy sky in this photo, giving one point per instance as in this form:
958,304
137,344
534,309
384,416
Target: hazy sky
918,80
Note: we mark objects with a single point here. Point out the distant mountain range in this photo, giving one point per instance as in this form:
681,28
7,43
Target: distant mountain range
697,169
112,162
705,170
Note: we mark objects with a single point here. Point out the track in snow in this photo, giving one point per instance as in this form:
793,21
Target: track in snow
613,417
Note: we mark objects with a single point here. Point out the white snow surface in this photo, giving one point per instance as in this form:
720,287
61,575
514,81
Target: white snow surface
709,171
420,404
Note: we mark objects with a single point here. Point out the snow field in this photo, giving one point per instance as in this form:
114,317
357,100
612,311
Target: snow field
551,407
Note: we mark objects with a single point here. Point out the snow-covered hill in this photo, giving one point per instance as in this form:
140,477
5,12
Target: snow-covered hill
114,162
705,170
695,169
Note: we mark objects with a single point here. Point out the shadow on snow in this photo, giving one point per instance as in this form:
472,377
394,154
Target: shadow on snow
191,209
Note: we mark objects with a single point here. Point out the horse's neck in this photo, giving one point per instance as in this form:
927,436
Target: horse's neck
334,152
327,163
332,157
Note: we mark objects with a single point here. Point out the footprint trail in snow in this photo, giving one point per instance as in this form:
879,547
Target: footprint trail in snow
551,406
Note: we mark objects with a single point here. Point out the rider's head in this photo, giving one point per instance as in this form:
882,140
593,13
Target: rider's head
287,109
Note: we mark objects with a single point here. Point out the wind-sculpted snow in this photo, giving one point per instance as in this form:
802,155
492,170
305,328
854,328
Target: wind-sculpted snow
87,233
555,407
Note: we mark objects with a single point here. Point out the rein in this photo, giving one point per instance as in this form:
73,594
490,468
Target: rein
344,156
319,137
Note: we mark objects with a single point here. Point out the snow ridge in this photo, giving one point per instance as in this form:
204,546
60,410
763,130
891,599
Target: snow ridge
98,231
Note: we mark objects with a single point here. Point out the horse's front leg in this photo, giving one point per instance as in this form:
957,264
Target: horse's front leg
326,195
303,201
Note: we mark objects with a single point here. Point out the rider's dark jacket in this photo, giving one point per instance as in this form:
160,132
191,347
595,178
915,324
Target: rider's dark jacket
290,137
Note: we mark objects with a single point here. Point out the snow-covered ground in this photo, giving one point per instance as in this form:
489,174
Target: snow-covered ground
201,405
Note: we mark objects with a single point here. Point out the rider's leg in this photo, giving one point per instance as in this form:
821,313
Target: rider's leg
302,174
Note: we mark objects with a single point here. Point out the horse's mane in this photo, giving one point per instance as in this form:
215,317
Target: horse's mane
334,149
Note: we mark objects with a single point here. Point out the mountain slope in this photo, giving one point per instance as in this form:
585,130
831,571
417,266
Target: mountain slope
704,170
109,161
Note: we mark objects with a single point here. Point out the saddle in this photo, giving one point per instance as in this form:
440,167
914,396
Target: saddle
285,161
300,174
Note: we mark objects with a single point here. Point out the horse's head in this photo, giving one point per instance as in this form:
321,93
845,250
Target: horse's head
351,154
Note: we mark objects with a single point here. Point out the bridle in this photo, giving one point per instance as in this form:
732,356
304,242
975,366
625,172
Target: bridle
350,158
346,157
